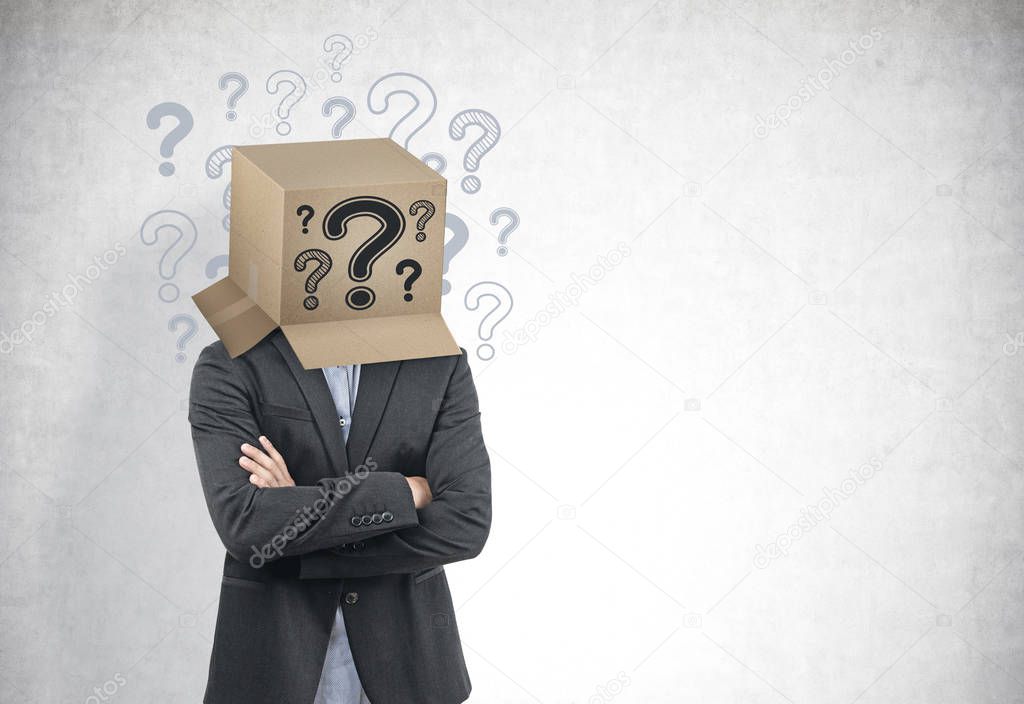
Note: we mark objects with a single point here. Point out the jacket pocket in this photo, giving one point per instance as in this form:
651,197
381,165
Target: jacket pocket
244,583
420,577
293,412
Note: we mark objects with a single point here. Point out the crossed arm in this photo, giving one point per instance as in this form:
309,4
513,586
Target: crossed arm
437,519
268,470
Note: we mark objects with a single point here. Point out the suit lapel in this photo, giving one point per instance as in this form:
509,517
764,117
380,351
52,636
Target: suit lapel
375,384
318,396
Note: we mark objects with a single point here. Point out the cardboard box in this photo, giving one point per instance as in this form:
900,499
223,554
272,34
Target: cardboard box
340,244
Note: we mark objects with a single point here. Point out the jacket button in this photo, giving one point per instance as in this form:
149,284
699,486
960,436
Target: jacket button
356,521
351,598
387,516
377,518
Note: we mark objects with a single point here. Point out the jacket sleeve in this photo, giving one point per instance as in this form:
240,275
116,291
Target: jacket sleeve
455,525
263,525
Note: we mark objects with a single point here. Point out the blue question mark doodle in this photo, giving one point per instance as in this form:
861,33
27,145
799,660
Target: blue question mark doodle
215,163
169,221
485,143
491,319
513,217
215,265
460,238
290,99
435,161
424,100
178,112
350,113
190,331
339,59
235,95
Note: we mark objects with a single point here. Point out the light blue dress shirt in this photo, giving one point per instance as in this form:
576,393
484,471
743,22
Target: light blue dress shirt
339,681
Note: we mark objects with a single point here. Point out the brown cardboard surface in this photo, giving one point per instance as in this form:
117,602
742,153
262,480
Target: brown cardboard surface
339,243
237,320
350,162
371,340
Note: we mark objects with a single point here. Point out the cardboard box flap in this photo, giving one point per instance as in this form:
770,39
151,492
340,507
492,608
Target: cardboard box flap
237,320
370,340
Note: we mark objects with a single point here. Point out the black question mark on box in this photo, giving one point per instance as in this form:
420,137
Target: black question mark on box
360,266
411,278
308,210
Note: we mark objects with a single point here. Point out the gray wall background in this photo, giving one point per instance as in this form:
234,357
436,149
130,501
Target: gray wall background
836,289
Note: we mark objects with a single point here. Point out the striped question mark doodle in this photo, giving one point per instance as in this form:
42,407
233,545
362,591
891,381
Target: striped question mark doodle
428,212
320,270
215,163
485,143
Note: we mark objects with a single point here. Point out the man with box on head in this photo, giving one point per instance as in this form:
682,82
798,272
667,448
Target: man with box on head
337,433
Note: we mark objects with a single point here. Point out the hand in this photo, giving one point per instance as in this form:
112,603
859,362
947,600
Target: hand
266,467
421,495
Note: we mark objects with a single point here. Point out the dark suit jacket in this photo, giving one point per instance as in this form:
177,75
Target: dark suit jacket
348,532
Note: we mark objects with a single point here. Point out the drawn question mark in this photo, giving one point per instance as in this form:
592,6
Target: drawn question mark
190,331
492,132
428,212
309,212
342,56
226,202
180,113
290,99
320,270
360,266
235,95
411,279
435,161
215,265
491,319
340,124
378,99
215,163
151,231
460,238
513,217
